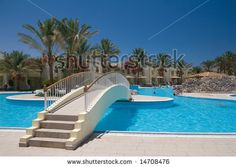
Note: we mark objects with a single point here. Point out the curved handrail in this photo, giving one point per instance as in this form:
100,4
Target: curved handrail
64,86
101,83
87,87
63,79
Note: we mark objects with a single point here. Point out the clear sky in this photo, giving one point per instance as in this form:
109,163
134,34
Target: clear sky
198,28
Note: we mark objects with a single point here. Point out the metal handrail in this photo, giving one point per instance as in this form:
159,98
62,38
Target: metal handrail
64,86
101,83
87,87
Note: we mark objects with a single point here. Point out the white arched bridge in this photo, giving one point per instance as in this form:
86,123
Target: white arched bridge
73,107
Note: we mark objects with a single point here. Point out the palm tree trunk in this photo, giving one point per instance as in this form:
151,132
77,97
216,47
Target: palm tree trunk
17,84
50,63
104,63
44,72
51,73
138,74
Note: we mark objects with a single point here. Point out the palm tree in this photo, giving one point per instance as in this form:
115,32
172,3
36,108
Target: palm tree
15,65
226,63
234,64
139,54
221,64
83,53
196,69
106,49
182,67
208,65
73,36
164,61
44,39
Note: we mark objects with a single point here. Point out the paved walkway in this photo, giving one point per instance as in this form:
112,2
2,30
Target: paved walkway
78,105
142,98
210,95
28,97
127,145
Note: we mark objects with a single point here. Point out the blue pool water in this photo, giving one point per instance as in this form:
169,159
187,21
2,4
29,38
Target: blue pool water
162,92
18,113
185,115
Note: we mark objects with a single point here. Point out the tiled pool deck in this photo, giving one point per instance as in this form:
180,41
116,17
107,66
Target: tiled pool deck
128,145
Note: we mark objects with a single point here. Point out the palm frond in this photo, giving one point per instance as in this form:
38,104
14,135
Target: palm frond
33,30
30,41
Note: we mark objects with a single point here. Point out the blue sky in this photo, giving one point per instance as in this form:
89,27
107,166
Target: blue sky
205,33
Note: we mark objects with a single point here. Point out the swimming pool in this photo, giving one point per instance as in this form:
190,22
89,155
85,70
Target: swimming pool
18,114
185,115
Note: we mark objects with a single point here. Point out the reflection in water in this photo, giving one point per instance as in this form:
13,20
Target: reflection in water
118,118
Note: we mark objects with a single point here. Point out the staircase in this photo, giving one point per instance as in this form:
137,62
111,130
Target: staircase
53,131
73,107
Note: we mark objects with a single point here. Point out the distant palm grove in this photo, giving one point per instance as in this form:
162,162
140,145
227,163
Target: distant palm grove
67,39
225,63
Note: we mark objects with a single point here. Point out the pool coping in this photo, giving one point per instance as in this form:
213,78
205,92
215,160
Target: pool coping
137,98
18,99
13,92
202,96
139,133
168,133
227,97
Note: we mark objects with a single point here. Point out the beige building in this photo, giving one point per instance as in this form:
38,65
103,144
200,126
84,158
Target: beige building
30,80
153,76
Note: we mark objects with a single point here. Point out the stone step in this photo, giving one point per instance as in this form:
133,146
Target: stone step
53,133
51,124
47,142
61,117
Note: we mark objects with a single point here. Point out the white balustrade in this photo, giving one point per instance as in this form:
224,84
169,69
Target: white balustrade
57,90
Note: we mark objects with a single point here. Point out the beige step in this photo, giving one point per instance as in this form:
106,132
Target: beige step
61,117
51,124
53,133
47,142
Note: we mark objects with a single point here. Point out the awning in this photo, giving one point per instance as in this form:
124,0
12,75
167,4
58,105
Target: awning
129,76
175,77
158,77
142,77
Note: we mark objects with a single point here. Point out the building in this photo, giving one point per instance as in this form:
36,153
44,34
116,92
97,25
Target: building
30,80
158,76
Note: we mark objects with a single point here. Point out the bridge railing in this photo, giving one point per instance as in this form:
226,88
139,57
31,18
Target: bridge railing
100,84
65,86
